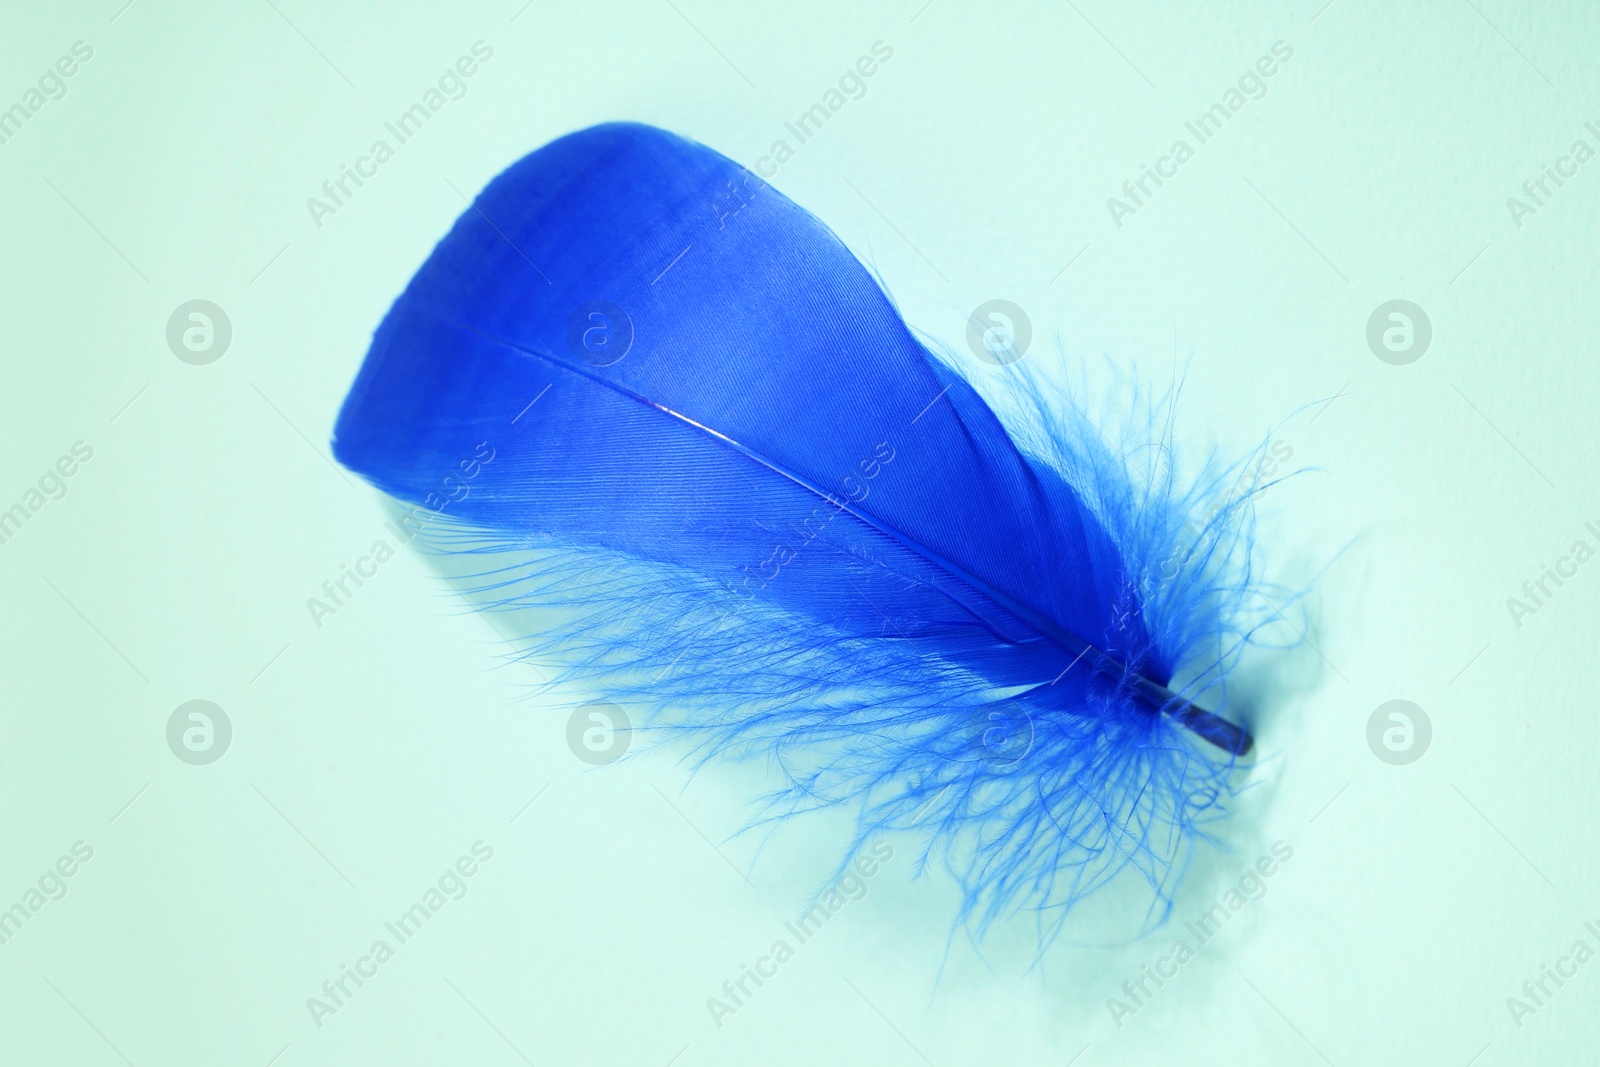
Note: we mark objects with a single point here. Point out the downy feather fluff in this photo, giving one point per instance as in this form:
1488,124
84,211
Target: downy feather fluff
774,525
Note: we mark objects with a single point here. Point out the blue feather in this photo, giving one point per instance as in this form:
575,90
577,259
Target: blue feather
775,522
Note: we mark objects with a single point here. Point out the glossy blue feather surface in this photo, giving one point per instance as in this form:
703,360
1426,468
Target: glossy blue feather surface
771,520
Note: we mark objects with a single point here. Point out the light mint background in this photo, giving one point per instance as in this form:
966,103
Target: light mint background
371,753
